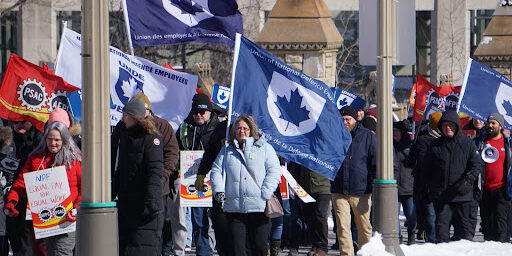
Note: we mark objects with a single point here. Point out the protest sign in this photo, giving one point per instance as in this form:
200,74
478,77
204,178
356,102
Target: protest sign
189,196
295,186
9,164
49,198
283,188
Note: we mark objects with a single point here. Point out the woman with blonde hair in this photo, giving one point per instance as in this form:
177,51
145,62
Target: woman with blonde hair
252,174
139,178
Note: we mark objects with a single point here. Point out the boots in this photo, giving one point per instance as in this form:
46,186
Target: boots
411,238
275,247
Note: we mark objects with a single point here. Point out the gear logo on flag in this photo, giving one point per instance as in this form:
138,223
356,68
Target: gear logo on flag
127,86
294,109
503,102
59,100
187,12
450,101
32,95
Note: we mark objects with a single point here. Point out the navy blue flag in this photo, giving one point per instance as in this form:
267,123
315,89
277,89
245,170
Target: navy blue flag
296,113
344,98
484,92
156,22
220,95
75,104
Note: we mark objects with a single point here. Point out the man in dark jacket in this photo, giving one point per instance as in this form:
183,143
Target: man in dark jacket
352,186
495,203
403,175
453,167
417,159
194,134
171,155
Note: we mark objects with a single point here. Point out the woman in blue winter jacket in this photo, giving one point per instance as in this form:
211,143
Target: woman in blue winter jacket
246,160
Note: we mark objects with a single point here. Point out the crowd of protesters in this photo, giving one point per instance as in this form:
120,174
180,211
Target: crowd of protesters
444,179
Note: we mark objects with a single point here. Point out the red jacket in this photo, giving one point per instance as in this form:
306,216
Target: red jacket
35,162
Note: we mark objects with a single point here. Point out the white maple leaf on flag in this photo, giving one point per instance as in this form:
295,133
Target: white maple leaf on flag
130,88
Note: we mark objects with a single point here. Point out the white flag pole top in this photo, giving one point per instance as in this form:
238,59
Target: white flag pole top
463,89
235,62
59,52
127,25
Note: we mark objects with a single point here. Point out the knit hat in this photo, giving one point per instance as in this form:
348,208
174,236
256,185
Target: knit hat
144,98
201,102
498,117
348,111
60,115
372,112
369,123
135,107
434,120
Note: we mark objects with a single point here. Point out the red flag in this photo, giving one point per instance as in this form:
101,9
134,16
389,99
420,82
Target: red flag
413,94
439,98
169,66
29,92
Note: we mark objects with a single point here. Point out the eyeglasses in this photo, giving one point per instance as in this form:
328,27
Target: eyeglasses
242,128
200,112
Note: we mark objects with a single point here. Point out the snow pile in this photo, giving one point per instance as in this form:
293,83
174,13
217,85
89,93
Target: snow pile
460,248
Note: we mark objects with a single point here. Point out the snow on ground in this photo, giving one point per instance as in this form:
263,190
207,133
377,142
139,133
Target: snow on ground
460,248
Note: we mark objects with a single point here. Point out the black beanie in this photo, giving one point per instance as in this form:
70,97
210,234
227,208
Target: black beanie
348,111
200,102
135,107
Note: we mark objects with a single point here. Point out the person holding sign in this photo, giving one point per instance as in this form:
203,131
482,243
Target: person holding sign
140,179
246,160
56,148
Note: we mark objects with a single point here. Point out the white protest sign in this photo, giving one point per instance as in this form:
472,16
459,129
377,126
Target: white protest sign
295,186
189,196
49,198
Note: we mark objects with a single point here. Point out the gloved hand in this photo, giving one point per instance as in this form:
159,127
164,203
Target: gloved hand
464,185
199,184
71,216
220,197
9,209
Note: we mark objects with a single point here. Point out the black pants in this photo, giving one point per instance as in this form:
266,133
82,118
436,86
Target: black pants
494,209
220,225
316,218
18,232
456,213
254,225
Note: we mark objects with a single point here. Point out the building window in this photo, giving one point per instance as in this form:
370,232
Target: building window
8,38
479,19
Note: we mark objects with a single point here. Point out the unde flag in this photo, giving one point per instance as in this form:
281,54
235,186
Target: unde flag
296,113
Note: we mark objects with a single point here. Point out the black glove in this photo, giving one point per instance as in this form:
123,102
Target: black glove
220,197
464,185
173,177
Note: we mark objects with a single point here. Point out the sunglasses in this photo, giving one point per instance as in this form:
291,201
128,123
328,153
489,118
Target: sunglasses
201,112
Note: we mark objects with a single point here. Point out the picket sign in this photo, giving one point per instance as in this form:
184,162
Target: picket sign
49,198
295,186
189,196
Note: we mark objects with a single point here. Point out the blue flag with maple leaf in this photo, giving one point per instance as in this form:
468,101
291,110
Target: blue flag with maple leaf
220,95
485,91
344,98
296,113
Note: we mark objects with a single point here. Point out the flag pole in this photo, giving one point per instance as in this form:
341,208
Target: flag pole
127,26
59,53
235,62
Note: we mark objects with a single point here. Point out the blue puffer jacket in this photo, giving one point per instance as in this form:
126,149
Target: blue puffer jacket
242,194
357,172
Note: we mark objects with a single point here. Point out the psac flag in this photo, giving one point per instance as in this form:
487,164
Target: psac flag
295,113
155,22
431,98
484,92
344,98
30,92
169,91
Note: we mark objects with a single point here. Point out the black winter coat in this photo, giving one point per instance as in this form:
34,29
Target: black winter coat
358,170
193,137
140,182
449,161
213,148
403,174
418,161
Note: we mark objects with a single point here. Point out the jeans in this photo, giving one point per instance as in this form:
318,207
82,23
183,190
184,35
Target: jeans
251,231
60,245
200,226
177,222
426,217
276,229
297,224
316,218
188,224
409,212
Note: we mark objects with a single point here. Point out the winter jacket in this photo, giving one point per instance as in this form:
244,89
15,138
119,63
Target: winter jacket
310,181
358,170
452,162
40,161
242,193
193,137
169,143
481,144
213,148
417,160
403,174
